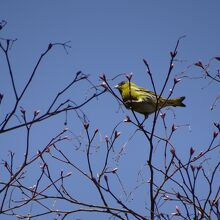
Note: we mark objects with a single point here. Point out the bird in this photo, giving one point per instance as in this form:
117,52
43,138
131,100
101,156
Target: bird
143,101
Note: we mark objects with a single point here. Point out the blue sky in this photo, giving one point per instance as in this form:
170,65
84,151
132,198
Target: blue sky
112,37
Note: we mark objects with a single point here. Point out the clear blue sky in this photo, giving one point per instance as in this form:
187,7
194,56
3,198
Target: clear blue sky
112,37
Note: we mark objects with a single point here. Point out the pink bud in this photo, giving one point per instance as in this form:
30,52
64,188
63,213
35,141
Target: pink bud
172,151
178,210
129,76
42,165
192,150
102,77
47,149
217,125
69,174
145,62
171,66
215,202
117,134
114,170
106,138
104,85
166,197
162,115
127,119
50,46
5,164
199,64
173,128
215,134
38,152
192,167
106,178
173,54
1,97
201,153
199,167
32,188
178,195
86,125
36,113
176,80
23,111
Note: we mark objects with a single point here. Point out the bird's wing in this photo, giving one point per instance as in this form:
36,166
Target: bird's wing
144,93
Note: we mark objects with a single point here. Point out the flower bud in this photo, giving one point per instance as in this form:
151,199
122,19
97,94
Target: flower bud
36,113
1,97
173,128
177,213
47,149
32,188
199,167
176,80
127,119
171,66
38,152
104,85
23,111
199,64
192,150
166,197
178,195
78,73
86,125
215,202
215,134
50,46
102,77
129,76
114,170
106,178
217,125
145,62
162,115
5,163
178,210
172,151
69,174
192,168
173,54
106,138
117,134
201,153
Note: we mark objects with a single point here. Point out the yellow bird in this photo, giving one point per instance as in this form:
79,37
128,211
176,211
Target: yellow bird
144,101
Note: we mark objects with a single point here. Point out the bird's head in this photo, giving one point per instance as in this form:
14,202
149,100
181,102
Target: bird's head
124,85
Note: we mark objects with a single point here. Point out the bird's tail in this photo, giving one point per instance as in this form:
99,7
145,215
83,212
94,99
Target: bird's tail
176,102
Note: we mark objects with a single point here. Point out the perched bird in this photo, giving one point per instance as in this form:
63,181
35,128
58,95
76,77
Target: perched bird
144,101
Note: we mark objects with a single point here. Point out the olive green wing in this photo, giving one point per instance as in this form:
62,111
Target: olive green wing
144,93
